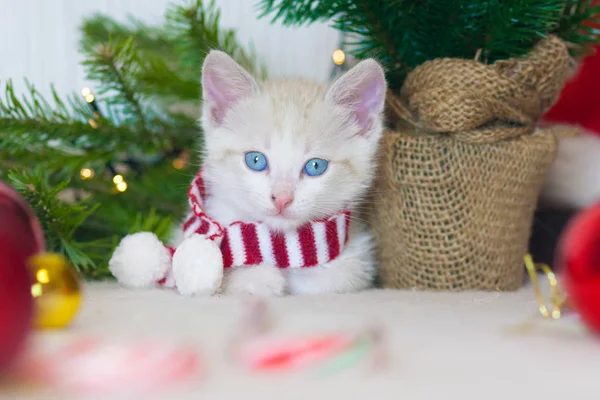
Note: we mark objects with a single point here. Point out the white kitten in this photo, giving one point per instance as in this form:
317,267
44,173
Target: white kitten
291,122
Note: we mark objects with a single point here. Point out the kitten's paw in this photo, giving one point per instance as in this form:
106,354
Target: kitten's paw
260,280
198,266
140,260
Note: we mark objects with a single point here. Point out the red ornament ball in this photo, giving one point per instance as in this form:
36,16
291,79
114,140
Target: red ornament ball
19,226
16,305
579,258
20,238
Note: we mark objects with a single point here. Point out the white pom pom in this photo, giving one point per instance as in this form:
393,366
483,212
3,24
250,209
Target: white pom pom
198,266
140,260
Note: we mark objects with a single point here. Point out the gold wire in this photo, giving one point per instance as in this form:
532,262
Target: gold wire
557,298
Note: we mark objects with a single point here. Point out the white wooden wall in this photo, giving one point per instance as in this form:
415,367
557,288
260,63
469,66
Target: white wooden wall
38,39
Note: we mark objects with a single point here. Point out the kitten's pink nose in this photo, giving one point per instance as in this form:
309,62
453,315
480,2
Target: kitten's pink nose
282,200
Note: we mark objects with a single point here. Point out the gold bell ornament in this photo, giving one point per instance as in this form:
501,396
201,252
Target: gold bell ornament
56,289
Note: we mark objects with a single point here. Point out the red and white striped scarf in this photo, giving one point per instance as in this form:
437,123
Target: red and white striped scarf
242,244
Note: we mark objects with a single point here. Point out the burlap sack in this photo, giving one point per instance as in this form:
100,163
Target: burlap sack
459,178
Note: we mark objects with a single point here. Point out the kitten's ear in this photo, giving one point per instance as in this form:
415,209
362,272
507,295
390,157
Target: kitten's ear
362,91
224,83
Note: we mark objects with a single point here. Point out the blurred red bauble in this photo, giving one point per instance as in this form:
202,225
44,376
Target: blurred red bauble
16,305
18,224
20,238
579,257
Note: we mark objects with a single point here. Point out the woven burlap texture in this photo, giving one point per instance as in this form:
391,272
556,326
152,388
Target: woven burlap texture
459,178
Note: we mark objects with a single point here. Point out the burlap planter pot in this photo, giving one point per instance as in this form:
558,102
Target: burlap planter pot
459,179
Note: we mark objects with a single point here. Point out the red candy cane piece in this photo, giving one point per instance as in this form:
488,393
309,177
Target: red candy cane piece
292,353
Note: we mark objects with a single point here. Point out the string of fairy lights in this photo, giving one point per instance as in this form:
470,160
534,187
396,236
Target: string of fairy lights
88,173
121,185
118,179
339,57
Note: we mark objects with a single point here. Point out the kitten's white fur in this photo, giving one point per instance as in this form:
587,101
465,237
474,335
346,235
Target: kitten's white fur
292,121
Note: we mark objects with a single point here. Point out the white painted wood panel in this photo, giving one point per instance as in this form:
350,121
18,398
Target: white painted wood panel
39,39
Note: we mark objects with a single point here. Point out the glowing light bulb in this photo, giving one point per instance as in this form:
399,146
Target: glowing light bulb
179,163
86,173
338,57
86,91
42,276
89,98
36,289
122,186
118,179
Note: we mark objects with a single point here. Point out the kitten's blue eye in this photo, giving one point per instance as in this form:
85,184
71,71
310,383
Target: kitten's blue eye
256,161
315,167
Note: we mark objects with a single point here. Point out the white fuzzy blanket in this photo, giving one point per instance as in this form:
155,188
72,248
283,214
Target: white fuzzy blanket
442,345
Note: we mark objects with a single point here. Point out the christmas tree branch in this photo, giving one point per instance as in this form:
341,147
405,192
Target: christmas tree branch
172,55
100,28
579,26
115,66
58,219
32,130
160,75
195,25
403,34
61,219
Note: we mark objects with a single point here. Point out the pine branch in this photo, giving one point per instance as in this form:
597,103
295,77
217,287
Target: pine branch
99,28
159,188
403,34
62,220
172,55
99,252
115,66
58,219
579,25
160,75
131,84
30,125
31,131
293,12
195,26
153,222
